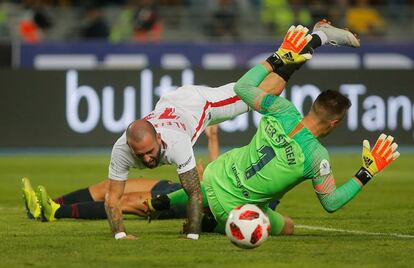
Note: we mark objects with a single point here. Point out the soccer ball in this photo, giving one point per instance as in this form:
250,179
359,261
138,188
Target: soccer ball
247,226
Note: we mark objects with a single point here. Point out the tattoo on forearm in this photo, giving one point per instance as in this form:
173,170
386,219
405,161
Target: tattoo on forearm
191,185
115,218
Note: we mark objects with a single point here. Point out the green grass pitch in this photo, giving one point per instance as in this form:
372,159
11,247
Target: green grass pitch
383,208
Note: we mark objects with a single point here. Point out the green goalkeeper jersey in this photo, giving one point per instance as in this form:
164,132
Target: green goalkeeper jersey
271,164
279,157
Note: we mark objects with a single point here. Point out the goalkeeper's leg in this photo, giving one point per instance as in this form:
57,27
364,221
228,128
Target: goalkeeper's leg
323,33
275,82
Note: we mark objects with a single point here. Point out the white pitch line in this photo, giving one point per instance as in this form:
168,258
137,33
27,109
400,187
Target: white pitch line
320,228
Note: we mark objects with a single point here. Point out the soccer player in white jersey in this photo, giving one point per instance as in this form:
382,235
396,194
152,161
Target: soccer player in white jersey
166,135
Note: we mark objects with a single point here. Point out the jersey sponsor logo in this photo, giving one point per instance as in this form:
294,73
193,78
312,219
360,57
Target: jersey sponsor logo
239,185
324,167
180,166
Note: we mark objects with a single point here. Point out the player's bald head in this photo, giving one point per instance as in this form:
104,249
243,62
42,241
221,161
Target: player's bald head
139,130
144,142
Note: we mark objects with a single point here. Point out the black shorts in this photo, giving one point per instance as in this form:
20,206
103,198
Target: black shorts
165,187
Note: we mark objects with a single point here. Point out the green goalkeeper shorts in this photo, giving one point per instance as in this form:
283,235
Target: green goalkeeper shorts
221,204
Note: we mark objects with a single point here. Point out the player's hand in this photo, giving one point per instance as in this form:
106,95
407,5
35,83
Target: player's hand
211,131
383,153
375,160
289,52
295,40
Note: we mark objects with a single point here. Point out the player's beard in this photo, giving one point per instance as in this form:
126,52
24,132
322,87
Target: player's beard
154,160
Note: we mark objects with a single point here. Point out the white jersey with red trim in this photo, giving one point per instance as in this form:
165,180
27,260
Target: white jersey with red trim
176,149
203,106
180,116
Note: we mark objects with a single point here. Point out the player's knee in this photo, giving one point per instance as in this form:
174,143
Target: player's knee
288,227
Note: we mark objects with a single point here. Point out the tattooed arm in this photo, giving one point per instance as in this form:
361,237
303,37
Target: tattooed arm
113,209
191,186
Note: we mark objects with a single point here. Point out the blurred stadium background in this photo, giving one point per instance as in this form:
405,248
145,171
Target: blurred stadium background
118,21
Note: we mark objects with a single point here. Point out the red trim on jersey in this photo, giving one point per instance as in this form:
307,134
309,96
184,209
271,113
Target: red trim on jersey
216,104
225,102
200,123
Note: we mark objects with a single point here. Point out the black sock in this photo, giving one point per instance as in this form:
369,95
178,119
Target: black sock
82,195
315,42
84,210
286,71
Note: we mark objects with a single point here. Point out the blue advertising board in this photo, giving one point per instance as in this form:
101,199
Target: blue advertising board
212,56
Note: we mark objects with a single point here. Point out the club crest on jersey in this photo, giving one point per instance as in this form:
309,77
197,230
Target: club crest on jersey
324,168
180,166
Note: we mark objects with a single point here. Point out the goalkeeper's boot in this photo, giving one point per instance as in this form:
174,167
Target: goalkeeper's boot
337,36
49,207
30,200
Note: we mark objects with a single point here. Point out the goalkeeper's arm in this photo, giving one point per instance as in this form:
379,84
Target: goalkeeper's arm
332,198
288,53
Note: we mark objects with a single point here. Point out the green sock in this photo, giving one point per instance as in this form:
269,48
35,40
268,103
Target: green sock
180,197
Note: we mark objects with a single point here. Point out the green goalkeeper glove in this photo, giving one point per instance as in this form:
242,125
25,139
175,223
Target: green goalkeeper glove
375,160
295,40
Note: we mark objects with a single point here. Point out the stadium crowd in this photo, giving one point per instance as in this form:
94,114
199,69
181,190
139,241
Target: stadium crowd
196,20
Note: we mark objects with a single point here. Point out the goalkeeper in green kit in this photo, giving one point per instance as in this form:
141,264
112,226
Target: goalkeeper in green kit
284,151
